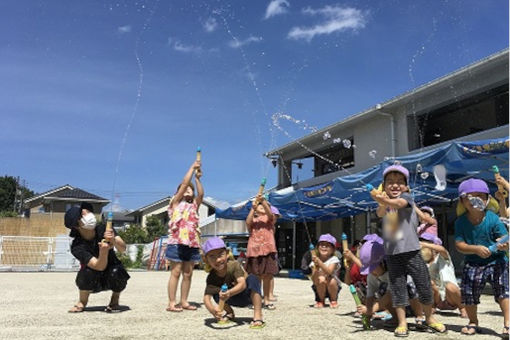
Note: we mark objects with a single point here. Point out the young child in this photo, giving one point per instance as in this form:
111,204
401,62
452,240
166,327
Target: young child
378,296
353,273
442,272
475,231
427,220
324,267
243,289
100,268
261,249
402,248
184,237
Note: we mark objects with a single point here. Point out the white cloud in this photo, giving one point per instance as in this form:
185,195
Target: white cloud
236,43
180,47
337,19
124,29
210,25
276,7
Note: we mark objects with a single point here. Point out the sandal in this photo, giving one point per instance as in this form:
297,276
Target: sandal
189,307
333,304
318,304
270,306
112,308
466,330
436,327
401,332
257,324
174,309
76,309
420,323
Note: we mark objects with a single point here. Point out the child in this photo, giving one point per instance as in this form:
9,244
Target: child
475,231
378,296
402,247
184,237
100,268
324,267
353,273
243,289
427,220
261,249
444,283
503,183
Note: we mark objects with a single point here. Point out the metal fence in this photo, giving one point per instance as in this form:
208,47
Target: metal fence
36,253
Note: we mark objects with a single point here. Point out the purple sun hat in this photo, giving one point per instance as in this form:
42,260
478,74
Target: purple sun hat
431,238
371,255
473,185
397,168
212,244
373,238
428,209
327,238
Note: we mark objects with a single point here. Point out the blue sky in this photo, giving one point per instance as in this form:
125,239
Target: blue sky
75,74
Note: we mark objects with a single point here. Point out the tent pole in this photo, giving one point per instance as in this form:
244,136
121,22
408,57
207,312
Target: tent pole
368,229
293,244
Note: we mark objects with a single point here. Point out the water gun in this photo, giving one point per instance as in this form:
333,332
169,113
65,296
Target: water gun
502,190
371,188
109,223
364,318
261,187
221,303
345,246
199,154
494,248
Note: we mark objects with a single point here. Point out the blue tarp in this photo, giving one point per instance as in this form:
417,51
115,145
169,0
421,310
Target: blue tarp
347,195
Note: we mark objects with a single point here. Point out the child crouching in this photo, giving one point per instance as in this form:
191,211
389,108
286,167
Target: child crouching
243,289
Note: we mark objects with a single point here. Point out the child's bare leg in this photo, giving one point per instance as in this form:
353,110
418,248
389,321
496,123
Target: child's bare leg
473,318
400,311
271,289
385,303
187,272
454,298
320,285
173,281
256,300
83,300
266,287
503,303
435,292
332,290
114,300
417,307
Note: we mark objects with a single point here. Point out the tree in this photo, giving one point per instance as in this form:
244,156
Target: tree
8,186
155,228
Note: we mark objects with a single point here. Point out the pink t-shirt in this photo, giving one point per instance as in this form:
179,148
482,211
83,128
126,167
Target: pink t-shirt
183,225
261,241
427,228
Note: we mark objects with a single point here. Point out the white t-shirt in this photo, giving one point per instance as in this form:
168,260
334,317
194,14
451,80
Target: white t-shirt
332,260
441,271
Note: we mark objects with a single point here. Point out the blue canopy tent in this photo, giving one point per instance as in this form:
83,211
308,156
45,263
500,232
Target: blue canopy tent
348,196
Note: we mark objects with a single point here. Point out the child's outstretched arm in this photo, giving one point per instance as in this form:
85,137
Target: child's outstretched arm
351,257
249,218
214,310
425,217
185,182
267,209
238,288
440,249
464,248
200,189
503,211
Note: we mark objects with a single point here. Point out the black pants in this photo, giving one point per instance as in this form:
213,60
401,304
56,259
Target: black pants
113,278
412,264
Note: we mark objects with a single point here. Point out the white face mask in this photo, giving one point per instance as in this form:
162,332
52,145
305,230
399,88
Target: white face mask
89,221
477,202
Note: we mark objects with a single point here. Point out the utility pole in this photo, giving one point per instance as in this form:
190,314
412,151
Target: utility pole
15,206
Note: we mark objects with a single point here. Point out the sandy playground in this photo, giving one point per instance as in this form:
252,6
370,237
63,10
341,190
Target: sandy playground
34,306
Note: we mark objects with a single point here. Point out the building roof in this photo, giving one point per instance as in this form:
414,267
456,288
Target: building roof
67,193
421,91
163,200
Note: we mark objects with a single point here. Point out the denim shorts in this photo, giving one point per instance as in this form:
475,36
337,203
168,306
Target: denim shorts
182,253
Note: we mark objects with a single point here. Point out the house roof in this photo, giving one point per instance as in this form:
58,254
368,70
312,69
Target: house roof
163,200
423,90
66,193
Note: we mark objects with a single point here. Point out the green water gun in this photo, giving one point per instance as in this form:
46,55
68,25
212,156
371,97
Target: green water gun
364,318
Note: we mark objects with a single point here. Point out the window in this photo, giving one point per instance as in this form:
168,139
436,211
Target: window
342,157
479,112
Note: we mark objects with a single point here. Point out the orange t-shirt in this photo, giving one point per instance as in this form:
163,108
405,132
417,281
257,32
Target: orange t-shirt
261,241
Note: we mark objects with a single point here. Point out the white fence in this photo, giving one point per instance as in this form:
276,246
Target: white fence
36,253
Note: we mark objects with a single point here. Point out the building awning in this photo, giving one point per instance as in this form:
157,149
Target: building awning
347,196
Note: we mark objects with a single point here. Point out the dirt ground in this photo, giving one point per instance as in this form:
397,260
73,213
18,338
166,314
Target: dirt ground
34,306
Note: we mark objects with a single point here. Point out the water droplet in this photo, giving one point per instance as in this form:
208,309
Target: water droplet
337,140
326,135
372,153
347,143
419,168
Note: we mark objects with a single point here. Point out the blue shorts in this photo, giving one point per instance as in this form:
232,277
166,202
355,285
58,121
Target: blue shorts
182,253
243,299
474,278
